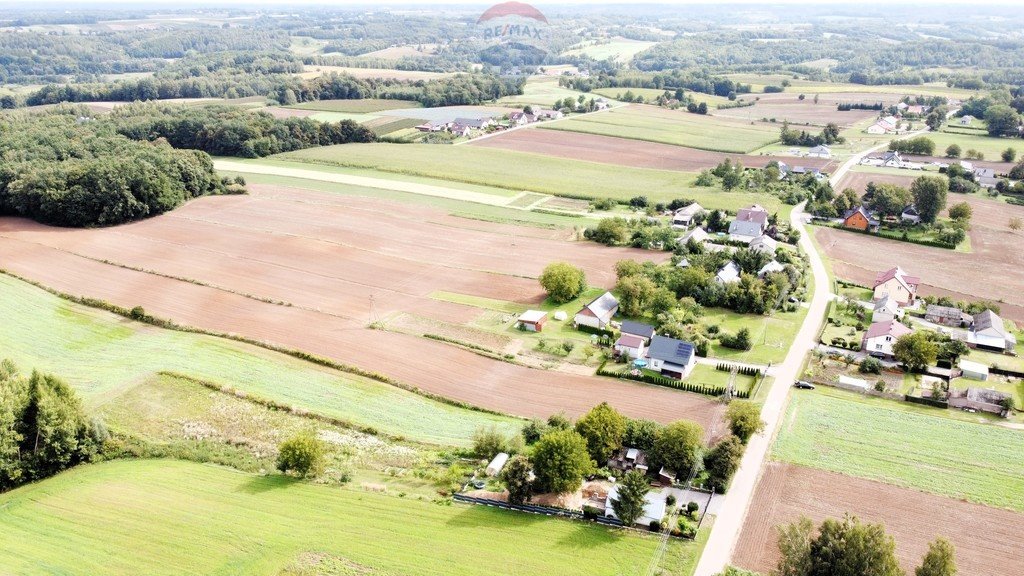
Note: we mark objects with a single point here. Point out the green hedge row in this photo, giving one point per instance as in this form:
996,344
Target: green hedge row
671,383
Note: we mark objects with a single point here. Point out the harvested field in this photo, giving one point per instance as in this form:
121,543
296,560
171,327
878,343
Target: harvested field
419,326
340,262
788,106
858,257
570,204
986,539
279,112
626,152
362,106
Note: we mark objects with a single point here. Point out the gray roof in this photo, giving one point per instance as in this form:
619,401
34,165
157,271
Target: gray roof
603,305
745,228
988,320
947,312
670,350
637,329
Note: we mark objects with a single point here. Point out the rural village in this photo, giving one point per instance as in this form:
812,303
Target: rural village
512,289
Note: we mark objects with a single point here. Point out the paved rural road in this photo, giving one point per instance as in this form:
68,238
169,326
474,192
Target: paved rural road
729,521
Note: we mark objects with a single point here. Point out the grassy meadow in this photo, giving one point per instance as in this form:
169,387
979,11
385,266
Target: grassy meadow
618,49
167,517
876,439
103,355
542,90
652,93
678,127
759,81
363,106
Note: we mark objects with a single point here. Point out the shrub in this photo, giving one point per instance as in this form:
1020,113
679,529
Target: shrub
870,365
568,346
691,508
301,455
604,204
655,526
670,500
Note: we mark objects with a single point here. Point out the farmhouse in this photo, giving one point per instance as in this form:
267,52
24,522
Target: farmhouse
859,218
881,336
987,332
886,309
433,126
910,214
673,358
520,118
769,268
887,125
684,217
986,177
893,160
820,152
626,459
532,320
549,114
654,506
764,244
973,370
630,346
946,316
898,285
728,274
474,123
598,313
698,235
638,329
750,223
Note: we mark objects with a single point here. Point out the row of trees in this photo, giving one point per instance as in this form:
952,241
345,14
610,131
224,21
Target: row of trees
829,135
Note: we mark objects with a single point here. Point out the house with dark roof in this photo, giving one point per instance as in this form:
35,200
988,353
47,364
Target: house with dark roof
474,123
988,332
598,313
898,285
821,151
881,336
672,358
638,329
910,214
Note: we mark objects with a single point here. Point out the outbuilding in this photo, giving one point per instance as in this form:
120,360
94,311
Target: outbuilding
973,370
496,465
532,320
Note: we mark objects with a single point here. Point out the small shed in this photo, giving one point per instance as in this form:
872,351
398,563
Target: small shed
494,468
973,370
532,320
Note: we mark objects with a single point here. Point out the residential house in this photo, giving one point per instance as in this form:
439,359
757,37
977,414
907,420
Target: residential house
685,217
892,160
887,125
460,130
987,332
433,126
770,268
626,459
600,104
902,106
532,320
986,178
630,346
684,263
764,243
474,123
698,235
546,114
881,336
946,316
820,152
886,309
968,166
654,506
728,274
860,218
666,476
750,223
672,358
520,118
877,129
910,214
898,285
638,329
598,313
917,110
966,120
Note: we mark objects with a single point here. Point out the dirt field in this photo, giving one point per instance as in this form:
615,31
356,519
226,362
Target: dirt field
341,262
625,152
859,258
987,540
788,106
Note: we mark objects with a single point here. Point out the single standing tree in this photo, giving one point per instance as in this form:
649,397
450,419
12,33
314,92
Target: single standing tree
916,351
301,455
938,561
678,445
849,548
602,428
629,502
722,461
961,211
953,151
561,461
1009,155
563,281
929,194
516,476
744,419
795,548
1002,120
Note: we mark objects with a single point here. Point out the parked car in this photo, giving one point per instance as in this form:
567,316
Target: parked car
803,385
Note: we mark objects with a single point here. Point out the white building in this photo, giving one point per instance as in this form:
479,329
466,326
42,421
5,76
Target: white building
728,274
764,243
684,217
598,313
881,336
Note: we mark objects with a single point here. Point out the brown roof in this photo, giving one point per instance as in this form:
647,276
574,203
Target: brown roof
630,341
889,328
897,272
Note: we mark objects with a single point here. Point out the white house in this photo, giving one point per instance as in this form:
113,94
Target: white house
750,223
684,217
893,160
886,309
910,214
896,284
764,243
987,332
673,358
630,345
698,235
820,152
654,506
966,120
881,336
728,274
598,313
876,128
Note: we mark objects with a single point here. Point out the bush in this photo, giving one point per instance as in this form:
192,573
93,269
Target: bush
301,455
691,509
488,442
604,204
670,500
870,365
741,341
655,526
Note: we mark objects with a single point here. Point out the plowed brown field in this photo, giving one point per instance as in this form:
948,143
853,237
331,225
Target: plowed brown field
987,540
327,256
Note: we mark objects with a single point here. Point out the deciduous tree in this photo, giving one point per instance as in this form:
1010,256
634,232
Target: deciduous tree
744,419
563,281
516,476
602,428
939,560
561,461
929,194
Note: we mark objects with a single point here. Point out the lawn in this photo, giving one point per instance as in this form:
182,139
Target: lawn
874,438
652,93
518,171
759,81
542,90
339,116
678,127
167,517
991,147
103,355
771,335
619,49
363,106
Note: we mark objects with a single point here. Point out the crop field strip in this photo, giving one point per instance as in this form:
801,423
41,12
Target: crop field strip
253,245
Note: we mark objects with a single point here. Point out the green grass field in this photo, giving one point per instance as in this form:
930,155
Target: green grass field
363,106
873,438
991,147
676,127
759,81
653,93
618,49
103,355
771,335
542,90
167,517
520,171
339,116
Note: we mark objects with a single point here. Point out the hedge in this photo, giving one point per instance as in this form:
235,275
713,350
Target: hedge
598,331
926,401
671,383
743,370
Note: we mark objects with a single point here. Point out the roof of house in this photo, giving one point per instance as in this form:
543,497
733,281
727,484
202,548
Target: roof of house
888,328
532,316
886,303
947,312
976,367
988,320
773,266
910,282
603,305
697,235
892,156
985,172
863,212
753,213
766,241
822,149
670,350
690,211
986,395
729,273
473,122
637,328
654,505
630,341
910,211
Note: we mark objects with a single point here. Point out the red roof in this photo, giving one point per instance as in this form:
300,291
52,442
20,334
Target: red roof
890,328
630,341
896,272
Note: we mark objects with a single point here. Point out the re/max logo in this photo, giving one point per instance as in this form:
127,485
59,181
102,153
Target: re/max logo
512,31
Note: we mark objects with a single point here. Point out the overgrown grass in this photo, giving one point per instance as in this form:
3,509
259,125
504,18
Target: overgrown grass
771,335
102,355
871,438
165,517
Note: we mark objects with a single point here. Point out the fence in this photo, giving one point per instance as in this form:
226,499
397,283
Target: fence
671,383
534,509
